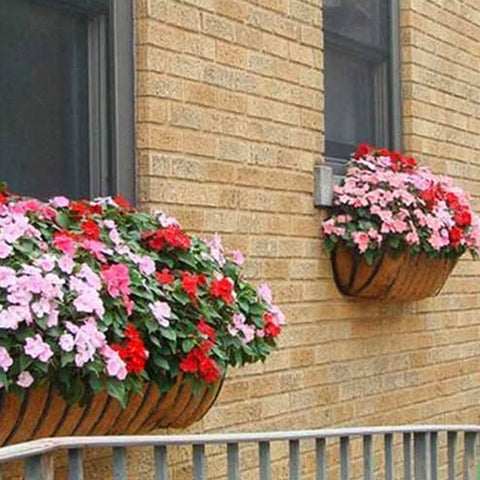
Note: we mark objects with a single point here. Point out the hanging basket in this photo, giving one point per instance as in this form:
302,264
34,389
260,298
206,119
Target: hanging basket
43,413
390,278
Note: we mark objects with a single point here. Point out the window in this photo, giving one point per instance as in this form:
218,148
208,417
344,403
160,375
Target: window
66,84
362,73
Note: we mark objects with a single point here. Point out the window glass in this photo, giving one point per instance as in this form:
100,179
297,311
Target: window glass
364,21
44,92
348,103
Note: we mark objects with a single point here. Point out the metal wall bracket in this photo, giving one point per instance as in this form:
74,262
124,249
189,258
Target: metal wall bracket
325,180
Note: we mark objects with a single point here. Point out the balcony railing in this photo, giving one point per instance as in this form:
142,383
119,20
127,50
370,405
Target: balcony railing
419,452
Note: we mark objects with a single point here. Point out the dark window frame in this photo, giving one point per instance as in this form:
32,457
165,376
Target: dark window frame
388,100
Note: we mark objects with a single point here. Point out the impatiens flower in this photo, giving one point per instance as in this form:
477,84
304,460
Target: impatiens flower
122,203
362,240
25,379
146,265
176,237
60,202
91,230
206,329
164,277
7,277
5,250
6,360
133,353
272,329
66,342
198,362
115,366
66,264
190,282
265,293
46,262
117,279
222,288
216,250
161,311
238,257
36,348
65,243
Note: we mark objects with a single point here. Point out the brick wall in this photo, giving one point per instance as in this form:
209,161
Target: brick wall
230,125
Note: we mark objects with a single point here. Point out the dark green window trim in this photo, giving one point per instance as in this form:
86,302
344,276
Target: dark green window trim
111,58
388,99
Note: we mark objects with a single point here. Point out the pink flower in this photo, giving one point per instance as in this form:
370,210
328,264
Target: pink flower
146,265
238,257
65,244
166,221
239,326
6,360
97,249
216,250
7,277
66,342
35,347
25,379
117,279
328,226
89,302
412,237
265,293
161,311
116,367
45,262
5,250
66,264
362,240
60,202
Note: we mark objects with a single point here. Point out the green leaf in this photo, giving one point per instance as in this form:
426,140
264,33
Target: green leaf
187,345
63,220
169,333
116,389
160,362
96,384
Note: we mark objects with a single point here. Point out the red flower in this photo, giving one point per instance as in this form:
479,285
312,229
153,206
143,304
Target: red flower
452,201
463,217
198,362
206,346
209,370
133,353
176,237
122,203
157,241
91,230
429,196
206,329
164,277
456,235
3,199
190,282
84,209
190,363
384,152
410,162
271,328
223,289
362,150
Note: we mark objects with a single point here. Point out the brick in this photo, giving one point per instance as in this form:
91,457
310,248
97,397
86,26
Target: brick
218,27
200,94
232,55
233,9
152,109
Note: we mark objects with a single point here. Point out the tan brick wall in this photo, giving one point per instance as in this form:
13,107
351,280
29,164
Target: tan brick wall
230,125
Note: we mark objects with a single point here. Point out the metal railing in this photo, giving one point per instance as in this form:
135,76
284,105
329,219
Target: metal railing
419,452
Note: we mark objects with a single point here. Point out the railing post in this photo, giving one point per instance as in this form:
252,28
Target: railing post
264,454
161,465
407,456
294,452
469,456
199,462
119,463
452,455
433,456
233,461
389,465
422,468
75,464
368,462
39,468
344,458
321,459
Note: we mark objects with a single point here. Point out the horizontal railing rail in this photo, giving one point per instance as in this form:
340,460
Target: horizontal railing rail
420,445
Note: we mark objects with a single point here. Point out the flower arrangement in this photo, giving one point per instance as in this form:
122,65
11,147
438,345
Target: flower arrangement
387,201
97,295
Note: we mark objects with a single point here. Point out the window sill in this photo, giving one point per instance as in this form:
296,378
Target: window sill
325,180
